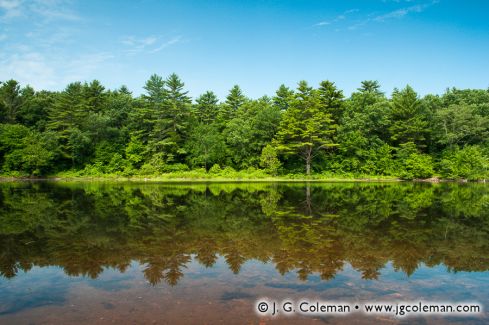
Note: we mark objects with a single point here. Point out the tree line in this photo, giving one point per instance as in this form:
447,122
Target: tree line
87,129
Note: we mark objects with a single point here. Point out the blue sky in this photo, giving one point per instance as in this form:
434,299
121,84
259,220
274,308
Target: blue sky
258,45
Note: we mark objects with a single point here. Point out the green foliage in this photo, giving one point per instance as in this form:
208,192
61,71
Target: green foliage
235,98
34,110
269,160
331,99
306,127
380,161
89,130
283,98
413,163
468,163
10,101
254,125
11,136
363,136
206,108
409,124
215,169
205,146
227,111
25,151
148,169
171,107
460,124
135,151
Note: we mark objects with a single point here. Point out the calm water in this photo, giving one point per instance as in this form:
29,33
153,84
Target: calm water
203,254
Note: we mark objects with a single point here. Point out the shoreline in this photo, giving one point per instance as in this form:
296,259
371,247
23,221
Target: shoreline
158,179
271,179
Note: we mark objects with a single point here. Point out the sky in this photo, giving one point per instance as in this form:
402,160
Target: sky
259,45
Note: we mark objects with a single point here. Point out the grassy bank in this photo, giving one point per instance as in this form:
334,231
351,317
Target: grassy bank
202,176
223,175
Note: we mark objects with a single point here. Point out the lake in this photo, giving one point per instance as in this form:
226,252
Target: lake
130,253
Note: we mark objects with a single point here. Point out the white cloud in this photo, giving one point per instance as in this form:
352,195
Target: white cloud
136,45
51,72
323,23
50,13
171,42
29,68
392,15
399,13
10,9
9,4
47,10
147,44
139,43
336,19
84,66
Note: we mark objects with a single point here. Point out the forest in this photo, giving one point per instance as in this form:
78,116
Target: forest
309,131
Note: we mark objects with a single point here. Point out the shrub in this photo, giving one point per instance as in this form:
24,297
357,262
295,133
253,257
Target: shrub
148,170
26,151
269,160
117,164
417,166
215,169
175,168
469,163
412,163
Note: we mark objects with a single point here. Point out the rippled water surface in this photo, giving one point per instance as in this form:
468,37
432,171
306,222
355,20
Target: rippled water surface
96,253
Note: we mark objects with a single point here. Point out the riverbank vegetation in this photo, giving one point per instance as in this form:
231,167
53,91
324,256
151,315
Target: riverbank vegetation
87,130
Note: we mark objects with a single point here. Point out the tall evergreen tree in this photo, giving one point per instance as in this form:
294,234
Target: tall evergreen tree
233,102
10,101
66,116
34,110
235,98
408,120
155,89
331,99
283,97
148,109
306,127
171,121
207,107
95,96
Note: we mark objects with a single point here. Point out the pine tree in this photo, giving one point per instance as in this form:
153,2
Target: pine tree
235,98
10,101
370,93
207,107
331,99
283,97
95,96
409,122
170,118
66,117
233,102
148,109
306,127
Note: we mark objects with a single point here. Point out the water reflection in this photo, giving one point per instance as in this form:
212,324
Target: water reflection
304,229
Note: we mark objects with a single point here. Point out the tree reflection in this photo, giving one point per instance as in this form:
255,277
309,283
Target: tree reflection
306,229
